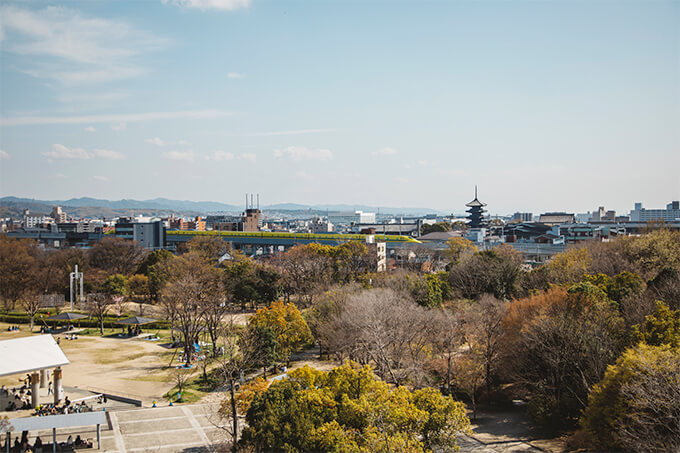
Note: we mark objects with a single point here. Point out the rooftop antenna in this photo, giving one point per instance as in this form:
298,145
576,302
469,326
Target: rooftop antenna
246,201
475,191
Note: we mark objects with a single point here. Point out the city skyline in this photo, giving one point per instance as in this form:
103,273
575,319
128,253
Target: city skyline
546,106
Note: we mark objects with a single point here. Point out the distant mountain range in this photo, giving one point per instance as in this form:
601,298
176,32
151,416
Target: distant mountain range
157,206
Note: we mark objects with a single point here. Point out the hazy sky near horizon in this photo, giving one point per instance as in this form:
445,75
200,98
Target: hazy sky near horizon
546,105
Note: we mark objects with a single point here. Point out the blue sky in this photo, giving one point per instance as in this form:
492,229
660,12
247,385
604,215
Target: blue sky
545,105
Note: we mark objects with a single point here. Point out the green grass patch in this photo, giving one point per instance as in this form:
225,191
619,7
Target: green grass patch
196,387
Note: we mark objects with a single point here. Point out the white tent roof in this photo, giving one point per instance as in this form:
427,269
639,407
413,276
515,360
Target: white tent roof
23,355
58,421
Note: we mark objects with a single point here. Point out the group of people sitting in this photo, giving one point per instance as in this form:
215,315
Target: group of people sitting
133,331
23,446
13,329
20,398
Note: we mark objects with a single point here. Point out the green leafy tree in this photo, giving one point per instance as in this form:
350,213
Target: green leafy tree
249,282
428,290
116,285
349,409
153,258
435,228
660,328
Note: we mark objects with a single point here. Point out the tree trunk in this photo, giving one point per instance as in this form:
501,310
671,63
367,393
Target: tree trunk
101,325
234,416
448,373
32,323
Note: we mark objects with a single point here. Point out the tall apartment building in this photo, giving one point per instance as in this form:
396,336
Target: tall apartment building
32,221
640,214
58,215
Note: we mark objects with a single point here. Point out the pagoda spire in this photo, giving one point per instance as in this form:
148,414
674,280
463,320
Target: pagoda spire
476,211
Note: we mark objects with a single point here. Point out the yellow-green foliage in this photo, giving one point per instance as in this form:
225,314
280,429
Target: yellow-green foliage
569,266
349,409
638,394
661,327
289,327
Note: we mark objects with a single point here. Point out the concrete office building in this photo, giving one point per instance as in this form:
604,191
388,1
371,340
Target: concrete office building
150,235
640,214
349,218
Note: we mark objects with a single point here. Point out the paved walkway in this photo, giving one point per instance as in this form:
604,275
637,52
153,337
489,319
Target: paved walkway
191,428
469,444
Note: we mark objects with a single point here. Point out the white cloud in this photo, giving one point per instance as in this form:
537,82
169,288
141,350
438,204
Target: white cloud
291,132
108,154
186,156
222,155
99,178
58,176
89,129
303,153
4,155
74,48
155,141
119,127
121,118
384,152
223,5
226,156
62,152
160,142
400,180
235,75
249,157
422,163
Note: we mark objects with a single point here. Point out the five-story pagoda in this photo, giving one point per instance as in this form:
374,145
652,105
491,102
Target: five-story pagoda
476,212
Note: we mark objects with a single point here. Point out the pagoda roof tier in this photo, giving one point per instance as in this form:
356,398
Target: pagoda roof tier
475,203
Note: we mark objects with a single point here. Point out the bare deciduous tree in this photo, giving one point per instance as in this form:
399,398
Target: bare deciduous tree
383,328
193,283
483,330
241,353
98,306
118,256
31,303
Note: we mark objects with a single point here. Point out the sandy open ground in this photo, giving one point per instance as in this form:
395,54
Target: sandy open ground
121,366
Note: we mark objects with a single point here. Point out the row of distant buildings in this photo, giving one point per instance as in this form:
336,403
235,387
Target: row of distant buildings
540,236
638,214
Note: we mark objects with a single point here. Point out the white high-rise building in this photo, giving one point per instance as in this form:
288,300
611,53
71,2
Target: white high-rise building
640,214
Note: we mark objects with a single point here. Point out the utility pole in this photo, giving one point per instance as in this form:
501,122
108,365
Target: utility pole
76,278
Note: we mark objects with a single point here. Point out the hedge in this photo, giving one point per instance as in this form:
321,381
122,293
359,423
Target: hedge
109,321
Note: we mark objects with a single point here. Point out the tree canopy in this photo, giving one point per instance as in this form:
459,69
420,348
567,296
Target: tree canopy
349,409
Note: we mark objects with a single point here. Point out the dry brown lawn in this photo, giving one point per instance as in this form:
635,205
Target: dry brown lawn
121,366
